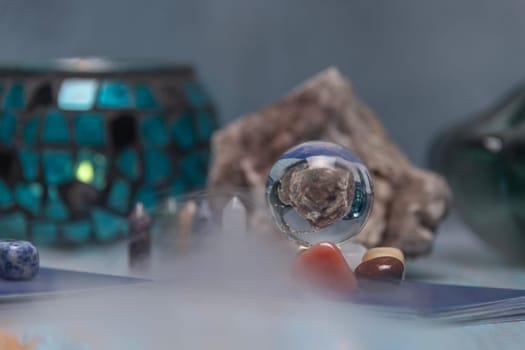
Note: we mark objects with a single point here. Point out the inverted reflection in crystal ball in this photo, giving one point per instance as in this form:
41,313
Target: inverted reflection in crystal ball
319,191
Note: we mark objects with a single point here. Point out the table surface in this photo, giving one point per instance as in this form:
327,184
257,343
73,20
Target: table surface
459,257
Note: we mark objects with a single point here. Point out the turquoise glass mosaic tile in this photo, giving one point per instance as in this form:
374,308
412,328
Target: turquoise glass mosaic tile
154,131
195,95
144,98
119,196
147,196
58,167
76,232
182,132
54,207
15,98
30,131
29,196
29,162
205,125
77,94
90,129
191,167
128,163
43,233
114,94
108,226
157,166
178,188
14,225
55,128
6,197
7,128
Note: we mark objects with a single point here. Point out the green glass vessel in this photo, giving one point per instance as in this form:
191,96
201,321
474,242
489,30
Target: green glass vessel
484,161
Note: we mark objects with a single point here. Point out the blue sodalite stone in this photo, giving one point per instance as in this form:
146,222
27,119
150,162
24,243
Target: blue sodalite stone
55,128
205,125
147,196
44,233
91,168
154,132
29,163
114,94
7,128
15,98
195,95
77,94
13,225
6,197
30,131
182,132
76,232
55,208
144,98
119,195
108,226
157,166
19,260
90,130
28,196
128,163
58,167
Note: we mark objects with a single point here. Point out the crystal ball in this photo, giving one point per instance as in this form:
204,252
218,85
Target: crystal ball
319,191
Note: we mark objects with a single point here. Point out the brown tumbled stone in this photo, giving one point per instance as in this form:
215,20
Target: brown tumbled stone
378,252
323,267
381,268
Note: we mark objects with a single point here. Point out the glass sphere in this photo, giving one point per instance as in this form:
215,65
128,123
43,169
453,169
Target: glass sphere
319,191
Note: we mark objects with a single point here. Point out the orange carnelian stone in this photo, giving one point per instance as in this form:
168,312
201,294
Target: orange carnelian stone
323,267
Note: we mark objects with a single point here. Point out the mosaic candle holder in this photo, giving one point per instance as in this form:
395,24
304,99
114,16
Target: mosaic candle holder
82,140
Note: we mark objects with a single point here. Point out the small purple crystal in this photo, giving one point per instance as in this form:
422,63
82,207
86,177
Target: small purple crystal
139,236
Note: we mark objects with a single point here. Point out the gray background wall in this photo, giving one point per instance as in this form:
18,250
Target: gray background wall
421,65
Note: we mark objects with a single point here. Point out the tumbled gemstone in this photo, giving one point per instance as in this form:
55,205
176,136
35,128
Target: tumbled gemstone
55,208
118,198
6,197
7,128
128,163
154,131
144,98
13,225
108,226
29,163
195,95
182,131
43,233
77,94
30,131
29,196
19,260
58,166
76,232
90,129
381,268
55,128
15,98
91,168
157,166
324,268
114,94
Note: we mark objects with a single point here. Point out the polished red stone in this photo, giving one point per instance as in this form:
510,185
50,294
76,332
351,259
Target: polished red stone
381,268
323,267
